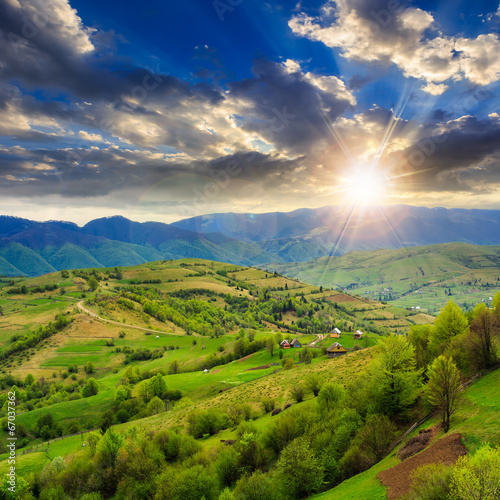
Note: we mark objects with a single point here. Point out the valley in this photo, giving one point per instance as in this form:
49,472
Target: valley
416,278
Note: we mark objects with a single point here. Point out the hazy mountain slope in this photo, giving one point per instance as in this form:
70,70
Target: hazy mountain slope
25,259
338,229
7,269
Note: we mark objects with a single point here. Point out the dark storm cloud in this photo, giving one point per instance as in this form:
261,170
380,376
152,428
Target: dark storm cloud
88,173
465,157
287,108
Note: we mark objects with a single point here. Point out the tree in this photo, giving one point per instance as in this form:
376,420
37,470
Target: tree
157,385
270,345
300,471
396,380
297,392
155,406
91,388
123,393
330,396
419,337
29,380
377,434
450,323
89,367
314,383
477,476
173,368
93,284
483,330
444,388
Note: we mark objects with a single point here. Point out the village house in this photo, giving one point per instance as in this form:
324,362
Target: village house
358,335
336,350
335,333
295,343
284,344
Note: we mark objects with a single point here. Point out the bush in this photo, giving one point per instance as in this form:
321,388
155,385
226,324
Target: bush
430,482
299,470
477,476
314,383
298,393
268,404
204,422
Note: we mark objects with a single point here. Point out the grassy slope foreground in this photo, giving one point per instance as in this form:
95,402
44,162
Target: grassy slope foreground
424,277
477,421
194,314
226,290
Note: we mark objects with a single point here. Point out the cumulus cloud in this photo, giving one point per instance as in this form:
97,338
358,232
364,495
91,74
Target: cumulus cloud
288,107
368,31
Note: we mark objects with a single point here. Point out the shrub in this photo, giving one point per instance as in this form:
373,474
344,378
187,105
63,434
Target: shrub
298,393
268,404
477,476
430,482
298,468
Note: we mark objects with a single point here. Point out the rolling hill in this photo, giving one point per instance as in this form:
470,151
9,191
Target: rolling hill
33,248
424,277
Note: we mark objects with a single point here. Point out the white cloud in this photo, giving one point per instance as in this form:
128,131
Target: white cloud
58,17
479,59
400,38
434,88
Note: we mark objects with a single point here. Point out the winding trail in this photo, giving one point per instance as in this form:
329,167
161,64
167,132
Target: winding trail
94,315
319,338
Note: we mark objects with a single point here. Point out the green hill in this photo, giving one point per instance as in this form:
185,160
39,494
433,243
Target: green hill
204,337
424,277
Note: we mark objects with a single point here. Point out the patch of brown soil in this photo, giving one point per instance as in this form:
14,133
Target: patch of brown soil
262,367
418,443
397,479
341,297
244,357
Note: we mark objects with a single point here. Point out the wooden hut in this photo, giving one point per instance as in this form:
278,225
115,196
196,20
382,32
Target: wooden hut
336,350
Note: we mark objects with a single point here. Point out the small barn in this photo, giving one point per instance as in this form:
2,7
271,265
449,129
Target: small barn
284,344
358,335
295,343
336,350
335,334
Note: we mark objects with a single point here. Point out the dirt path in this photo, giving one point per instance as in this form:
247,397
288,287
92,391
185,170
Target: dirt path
397,479
94,315
319,338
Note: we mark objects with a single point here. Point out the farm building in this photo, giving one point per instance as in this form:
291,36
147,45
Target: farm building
285,344
335,333
358,334
295,343
336,350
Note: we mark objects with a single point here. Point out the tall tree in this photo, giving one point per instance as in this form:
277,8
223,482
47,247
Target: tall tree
450,323
444,388
419,337
483,330
396,380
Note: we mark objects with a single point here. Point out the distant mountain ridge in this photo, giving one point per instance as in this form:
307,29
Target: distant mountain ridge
32,248
367,228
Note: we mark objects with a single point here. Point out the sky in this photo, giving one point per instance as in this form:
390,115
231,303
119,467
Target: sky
163,110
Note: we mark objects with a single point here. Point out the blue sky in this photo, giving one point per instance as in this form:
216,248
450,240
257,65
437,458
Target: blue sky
166,110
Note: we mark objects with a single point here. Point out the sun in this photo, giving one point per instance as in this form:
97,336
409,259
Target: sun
364,188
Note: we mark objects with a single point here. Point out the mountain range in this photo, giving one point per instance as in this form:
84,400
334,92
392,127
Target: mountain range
33,248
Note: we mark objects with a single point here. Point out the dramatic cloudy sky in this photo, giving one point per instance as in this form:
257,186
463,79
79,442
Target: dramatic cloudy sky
163,110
